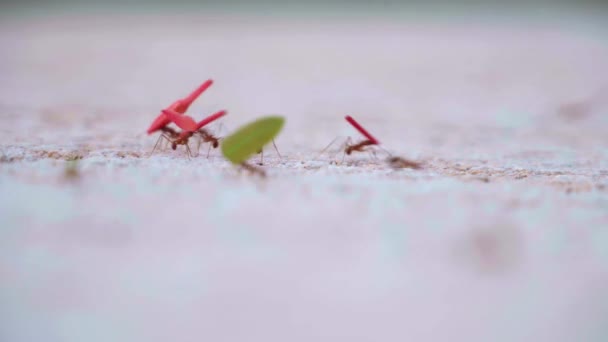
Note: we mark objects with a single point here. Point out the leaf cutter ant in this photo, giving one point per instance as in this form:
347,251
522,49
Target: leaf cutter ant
189,128
348,147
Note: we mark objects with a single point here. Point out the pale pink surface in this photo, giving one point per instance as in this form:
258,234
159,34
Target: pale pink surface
502,237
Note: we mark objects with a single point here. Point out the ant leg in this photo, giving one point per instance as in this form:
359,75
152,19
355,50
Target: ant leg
372,152
188,152
155,145
198,144
276,149
347,143
208,150
157,141
328,146
166,142
197,152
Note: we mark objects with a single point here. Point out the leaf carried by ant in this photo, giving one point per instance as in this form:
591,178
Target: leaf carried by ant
251,138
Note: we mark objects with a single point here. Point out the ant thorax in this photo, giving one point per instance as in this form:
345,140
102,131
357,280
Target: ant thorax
170,131
182,139
358,147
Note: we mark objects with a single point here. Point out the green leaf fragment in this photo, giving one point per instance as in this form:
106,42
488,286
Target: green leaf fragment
251,138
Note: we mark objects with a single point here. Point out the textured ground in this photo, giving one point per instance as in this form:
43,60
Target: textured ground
502,236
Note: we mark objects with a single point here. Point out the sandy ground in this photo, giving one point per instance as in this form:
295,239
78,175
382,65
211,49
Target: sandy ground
503,236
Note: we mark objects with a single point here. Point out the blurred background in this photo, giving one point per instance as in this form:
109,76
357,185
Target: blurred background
502,237
274,5
523,63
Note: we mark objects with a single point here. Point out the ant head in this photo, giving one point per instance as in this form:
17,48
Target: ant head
215,144
174,145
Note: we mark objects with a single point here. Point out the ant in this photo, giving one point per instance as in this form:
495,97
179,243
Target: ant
189,128
359,147
393,161
180,107
168,133
349,147
205,137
